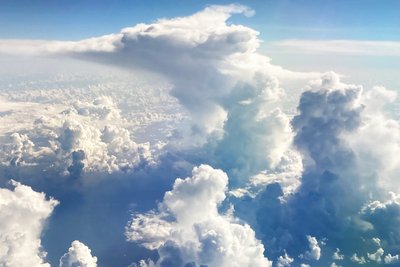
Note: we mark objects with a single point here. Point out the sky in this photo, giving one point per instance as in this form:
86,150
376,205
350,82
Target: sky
276,20
357,20
197,133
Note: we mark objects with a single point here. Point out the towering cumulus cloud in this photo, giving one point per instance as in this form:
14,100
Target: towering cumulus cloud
78,255
23,213
333,206
188,230
233,94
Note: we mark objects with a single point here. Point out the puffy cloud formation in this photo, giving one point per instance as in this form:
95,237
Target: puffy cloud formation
336,195
356,259
69,140
188,230
23,213
180,48
377,256
78,255
315,251
389,259
337,255
284,260
233,94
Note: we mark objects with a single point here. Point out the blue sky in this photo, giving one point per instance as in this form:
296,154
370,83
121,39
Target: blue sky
283,19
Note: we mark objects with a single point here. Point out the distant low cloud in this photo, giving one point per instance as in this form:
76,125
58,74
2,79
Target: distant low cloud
336,47
85,137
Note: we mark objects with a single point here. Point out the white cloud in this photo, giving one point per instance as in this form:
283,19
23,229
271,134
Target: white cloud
389,259
376,240
377,142
69,139
357,259
188,227
377,256
205,58
78,255
23,213
239,114
336,47
337,255
284,260
315,251
232,92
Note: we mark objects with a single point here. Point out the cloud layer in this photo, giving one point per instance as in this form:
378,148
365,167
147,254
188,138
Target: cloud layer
312,186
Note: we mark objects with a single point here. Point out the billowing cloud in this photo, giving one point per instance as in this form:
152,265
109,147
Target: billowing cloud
78,255
69,140
377,256
389,259
315,251
188,230
23,214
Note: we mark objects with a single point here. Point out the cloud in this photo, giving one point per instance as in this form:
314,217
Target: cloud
389,259
87,137
311,180
204,57
335,193
336,47
315,251
359,260
377,256
284,260
78,255
190,229
232,93
377,127
20,243
337,255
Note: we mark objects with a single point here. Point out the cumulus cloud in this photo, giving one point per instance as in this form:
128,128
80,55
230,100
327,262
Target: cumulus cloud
315,251
377,127
70,140
23,214
78,255
284,260
180,48
377,256
233,93
337,255
356,259
389,259
188,230
335,194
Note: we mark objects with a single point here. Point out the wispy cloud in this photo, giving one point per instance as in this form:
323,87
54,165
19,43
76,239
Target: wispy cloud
342,47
